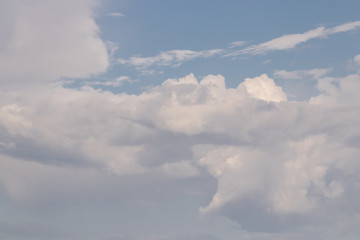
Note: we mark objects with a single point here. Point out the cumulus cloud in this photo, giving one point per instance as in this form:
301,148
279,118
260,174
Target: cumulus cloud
45,41
291,172
278,164
264,88
169,58
290,41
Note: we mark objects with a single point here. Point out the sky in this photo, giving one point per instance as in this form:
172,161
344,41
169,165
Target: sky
179,120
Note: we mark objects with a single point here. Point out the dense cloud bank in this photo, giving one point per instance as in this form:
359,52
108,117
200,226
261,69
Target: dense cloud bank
280,169
278,163
43,41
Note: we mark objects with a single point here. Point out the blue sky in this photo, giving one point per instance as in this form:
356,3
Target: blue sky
172,120
148,28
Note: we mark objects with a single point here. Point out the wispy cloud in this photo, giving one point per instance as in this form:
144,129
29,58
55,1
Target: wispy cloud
169,58
112,83
344,27
175,58
236,44
116,14
314,73
290,41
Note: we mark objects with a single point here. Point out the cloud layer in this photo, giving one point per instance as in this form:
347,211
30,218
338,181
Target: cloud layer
45,41
278,164
73,158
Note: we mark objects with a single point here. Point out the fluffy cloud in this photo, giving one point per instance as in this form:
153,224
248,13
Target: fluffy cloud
45,41
276,167
295,165
282,163
264,88
278,163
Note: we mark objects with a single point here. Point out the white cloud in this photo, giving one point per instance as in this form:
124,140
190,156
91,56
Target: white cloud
279,161
354,63
344,27
237,44
264,88
315,73
45,41
169,58
119,81
279,165
357,59
180,169
290,41
116,14
291,167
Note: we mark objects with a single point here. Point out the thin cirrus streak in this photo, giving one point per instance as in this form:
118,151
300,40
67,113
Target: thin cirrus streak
169,58
175,58
314,73
290,41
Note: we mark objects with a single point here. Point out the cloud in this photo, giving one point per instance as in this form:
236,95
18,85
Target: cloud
315,73
180,169
175,58
354,63
23,229
119,81
357,59
162,237
237,44
344,27
290,172
169,58
290,41
116,14
264,88
45,41
278,164
91,159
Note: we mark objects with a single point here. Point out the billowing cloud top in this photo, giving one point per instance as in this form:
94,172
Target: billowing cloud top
274,166
283,161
